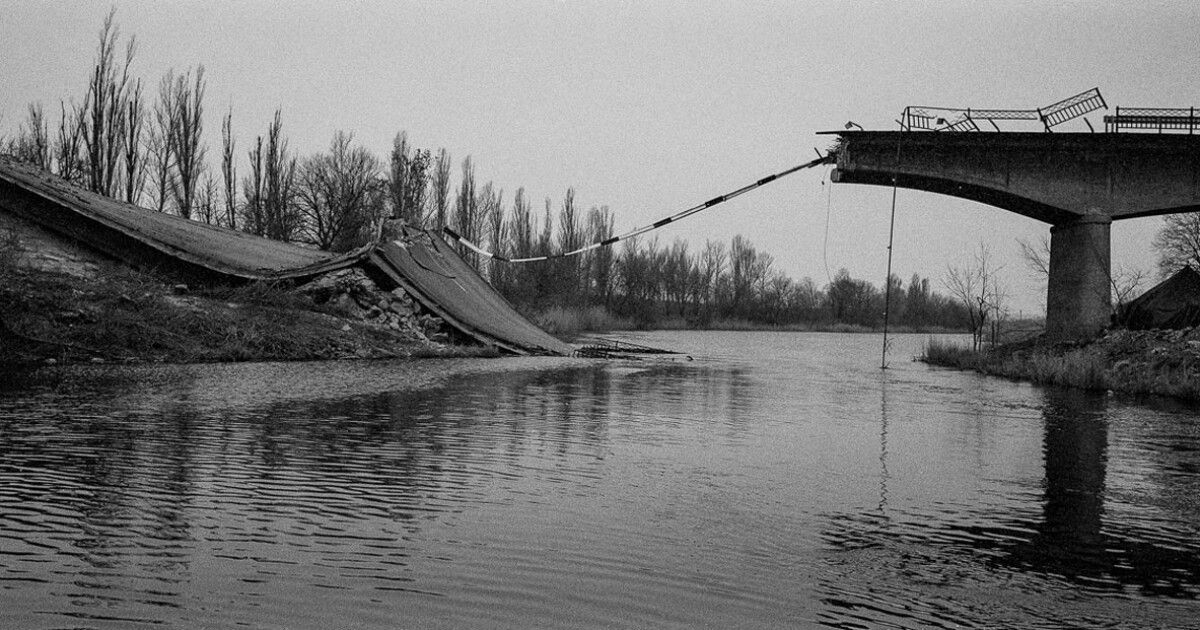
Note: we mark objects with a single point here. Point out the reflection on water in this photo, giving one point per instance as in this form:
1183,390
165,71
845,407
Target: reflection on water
779,480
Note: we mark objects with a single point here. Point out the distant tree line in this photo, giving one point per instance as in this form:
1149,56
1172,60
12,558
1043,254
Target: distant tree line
650,282
149,150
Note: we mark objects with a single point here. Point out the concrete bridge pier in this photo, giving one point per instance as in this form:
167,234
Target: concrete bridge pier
1079,294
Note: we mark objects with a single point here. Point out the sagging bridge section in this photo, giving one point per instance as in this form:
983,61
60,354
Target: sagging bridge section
1079,183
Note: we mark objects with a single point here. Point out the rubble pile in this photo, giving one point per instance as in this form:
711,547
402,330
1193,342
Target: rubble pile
355,295
1152,349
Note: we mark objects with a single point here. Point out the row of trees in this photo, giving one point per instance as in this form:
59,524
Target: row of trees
150,151
649,281
110,143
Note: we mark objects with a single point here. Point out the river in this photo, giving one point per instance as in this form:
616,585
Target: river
774,480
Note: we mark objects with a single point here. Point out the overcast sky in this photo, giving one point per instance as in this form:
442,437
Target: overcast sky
649,107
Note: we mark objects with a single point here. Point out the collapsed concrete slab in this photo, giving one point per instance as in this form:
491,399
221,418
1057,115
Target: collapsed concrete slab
426,267
44,213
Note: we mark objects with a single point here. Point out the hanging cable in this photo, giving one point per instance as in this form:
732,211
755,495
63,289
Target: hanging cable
642,230
825,245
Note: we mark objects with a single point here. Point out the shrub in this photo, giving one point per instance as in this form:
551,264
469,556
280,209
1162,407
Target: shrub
569,321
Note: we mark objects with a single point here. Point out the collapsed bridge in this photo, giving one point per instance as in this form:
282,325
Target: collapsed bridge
67,218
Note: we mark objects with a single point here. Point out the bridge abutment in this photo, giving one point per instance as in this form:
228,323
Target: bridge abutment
1078,297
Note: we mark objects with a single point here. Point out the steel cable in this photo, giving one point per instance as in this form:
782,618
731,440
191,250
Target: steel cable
642,230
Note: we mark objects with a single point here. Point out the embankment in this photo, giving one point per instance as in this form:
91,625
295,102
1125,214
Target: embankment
123,316
1158,362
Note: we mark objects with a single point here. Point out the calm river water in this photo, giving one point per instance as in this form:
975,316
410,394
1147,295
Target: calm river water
778,480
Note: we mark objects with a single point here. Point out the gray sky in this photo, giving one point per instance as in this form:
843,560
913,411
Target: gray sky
649,107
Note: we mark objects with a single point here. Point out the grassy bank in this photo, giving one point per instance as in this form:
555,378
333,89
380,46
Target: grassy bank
126,316
1163,363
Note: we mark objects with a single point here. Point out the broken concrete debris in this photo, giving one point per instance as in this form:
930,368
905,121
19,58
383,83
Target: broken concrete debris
355,295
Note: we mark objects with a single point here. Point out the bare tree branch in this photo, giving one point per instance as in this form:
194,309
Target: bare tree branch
1178,243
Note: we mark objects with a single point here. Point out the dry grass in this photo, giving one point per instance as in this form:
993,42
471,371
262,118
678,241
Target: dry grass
123,315
951,355
572,321
1115,365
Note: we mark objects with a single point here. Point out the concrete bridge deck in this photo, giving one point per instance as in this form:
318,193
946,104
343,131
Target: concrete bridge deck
1051,177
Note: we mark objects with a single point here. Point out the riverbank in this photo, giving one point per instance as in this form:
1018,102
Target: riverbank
1158,362
122,316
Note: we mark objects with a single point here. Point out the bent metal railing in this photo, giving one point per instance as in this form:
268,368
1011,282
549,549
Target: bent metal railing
955,119
1073,107
1158,119
1154,118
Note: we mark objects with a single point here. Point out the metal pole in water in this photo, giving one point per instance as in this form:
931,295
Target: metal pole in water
887,281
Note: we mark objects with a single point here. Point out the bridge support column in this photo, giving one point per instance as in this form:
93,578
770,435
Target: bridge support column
1078,298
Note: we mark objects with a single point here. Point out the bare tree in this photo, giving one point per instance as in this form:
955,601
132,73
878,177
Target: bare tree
338,194
976,286
185,139
491,206
398,177
778,292
134,162
467,218
160,148
229,171
999,309
1178,243
545,241
440,189
416,193
32,143
570,237
254,218
206,207
748,270
1125,284
408,181
712,265
68,144
279,174
104,110
601,226
520,235
521,226
1036,257
676,272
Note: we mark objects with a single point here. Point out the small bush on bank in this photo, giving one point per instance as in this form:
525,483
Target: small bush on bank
942,353
571,321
